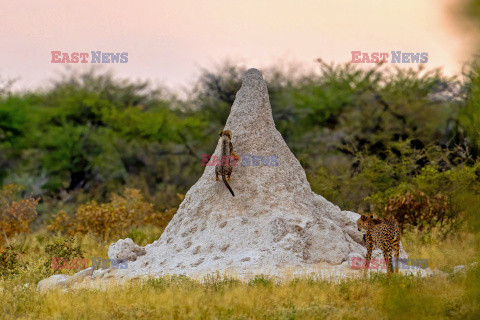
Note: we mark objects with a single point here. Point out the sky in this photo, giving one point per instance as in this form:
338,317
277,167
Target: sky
168,42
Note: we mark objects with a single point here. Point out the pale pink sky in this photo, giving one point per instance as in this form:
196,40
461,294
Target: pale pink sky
167,41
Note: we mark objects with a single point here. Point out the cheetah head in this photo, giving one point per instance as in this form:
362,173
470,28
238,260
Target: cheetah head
227,133
363,222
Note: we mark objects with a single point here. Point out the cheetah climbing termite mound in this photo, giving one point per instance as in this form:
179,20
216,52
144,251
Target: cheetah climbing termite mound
227,156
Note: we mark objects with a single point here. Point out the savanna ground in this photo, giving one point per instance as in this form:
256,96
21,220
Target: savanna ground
443,296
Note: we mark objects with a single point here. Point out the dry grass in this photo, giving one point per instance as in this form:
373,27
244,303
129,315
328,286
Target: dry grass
182,298
442,253
401,297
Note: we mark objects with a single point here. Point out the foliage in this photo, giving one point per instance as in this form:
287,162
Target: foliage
61,250
431,199
363,135
15,215
418,209
61,222
9,264
147,234
469,115
95,133
112,219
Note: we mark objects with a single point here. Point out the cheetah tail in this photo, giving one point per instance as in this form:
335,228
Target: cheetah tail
227,185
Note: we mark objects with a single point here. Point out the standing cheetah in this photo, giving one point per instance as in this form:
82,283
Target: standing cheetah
383,234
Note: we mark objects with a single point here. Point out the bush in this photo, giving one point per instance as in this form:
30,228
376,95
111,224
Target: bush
469,115
9,265
61,222
418,209
433,198
15,216
60,252
111,219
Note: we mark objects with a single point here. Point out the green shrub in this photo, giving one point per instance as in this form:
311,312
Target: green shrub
60,252
9,264
431,199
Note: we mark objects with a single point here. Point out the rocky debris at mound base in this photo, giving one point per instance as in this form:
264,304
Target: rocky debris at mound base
64,281
460,268
106,278
464,268
55,281
275,222
125,250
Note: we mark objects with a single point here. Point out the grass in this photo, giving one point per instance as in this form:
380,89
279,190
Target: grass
442,253
401,297
454,296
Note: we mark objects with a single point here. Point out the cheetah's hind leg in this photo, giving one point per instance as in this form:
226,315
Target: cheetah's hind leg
396,247
228,172
387,255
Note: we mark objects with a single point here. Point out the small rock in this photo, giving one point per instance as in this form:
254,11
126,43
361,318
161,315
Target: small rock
460,268
97,274
440,273
125,249
55,281
79,276
110,273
